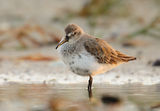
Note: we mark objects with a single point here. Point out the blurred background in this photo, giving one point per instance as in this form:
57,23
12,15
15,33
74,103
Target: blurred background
30,30
25,24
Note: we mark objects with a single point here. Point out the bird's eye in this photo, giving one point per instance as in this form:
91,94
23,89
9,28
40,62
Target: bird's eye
74,33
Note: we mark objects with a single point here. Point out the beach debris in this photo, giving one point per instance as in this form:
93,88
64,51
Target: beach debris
156,63
37,57
110,100
157,106
63,104
58,104
26,36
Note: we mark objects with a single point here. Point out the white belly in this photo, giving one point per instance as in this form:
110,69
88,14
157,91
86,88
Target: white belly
84,64
81,62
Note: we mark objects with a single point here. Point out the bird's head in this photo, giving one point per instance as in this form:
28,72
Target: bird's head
73,32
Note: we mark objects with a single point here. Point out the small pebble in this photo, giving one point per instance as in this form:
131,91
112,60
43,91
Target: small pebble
108,100
156,63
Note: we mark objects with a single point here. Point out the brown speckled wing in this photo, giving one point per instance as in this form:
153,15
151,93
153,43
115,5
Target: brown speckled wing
103,52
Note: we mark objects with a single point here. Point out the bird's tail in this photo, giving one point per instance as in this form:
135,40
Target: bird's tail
124,57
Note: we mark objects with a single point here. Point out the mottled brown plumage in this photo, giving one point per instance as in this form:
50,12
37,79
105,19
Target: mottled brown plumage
104,53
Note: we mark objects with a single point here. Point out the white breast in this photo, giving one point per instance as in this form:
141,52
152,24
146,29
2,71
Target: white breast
82,62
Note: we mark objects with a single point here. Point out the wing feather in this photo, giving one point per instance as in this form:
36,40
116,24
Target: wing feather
104,53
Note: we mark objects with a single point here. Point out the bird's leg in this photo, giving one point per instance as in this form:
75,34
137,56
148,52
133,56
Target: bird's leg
90,86
90,83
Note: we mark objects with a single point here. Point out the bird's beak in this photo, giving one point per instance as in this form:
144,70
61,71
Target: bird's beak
61,42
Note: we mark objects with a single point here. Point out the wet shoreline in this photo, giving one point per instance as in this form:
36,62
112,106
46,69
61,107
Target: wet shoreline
40,95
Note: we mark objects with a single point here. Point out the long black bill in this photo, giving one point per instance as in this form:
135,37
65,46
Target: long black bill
62,42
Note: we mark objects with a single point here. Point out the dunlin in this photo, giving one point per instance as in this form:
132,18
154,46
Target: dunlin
87,55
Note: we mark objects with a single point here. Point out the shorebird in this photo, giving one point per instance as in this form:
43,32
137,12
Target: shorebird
87,55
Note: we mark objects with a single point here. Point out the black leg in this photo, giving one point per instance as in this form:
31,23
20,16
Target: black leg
90,86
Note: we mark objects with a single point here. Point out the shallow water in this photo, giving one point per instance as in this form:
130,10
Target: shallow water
42,97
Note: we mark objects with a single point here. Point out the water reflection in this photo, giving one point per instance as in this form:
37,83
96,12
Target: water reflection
42,97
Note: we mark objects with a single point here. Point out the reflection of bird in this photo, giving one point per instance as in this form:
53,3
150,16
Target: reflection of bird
86,55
